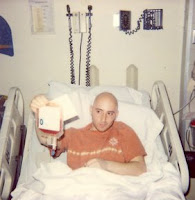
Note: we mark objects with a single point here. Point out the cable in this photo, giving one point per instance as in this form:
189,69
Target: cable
191,99
81,41
72,71
137,28
88,56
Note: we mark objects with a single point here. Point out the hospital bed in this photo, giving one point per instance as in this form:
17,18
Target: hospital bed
43,177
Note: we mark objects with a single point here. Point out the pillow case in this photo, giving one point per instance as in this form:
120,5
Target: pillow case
144,122
122,93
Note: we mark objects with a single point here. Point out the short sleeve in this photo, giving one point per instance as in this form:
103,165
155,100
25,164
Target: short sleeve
130,143
66,138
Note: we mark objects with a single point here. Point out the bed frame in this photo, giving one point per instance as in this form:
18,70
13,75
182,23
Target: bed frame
169,135
11,138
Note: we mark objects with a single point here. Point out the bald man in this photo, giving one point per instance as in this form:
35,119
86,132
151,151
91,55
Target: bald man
104,143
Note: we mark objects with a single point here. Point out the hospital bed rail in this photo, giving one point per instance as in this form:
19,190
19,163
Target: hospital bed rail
12,136
169,135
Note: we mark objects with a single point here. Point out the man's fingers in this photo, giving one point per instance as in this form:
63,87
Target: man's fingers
38,102
41,100
92,163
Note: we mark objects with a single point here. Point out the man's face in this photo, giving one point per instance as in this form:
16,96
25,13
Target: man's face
103,112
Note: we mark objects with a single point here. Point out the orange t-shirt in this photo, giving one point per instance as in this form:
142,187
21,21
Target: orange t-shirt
120,144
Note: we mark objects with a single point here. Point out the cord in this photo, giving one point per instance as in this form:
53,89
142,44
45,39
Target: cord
191,99
137,28
81,41
88,56
72,71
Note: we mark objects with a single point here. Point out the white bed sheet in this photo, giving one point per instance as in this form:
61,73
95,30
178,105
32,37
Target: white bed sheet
55,180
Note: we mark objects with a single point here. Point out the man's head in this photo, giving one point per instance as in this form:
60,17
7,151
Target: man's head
104,111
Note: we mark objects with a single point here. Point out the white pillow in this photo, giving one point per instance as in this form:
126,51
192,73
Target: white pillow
82,101
122,93
142,119
144,122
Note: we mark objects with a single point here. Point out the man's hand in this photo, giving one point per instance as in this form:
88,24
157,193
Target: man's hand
96,163
58,150
135,167
37,102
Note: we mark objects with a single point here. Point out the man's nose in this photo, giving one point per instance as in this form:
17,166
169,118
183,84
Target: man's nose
104,117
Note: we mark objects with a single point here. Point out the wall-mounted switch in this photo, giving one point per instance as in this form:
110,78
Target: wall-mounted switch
116,22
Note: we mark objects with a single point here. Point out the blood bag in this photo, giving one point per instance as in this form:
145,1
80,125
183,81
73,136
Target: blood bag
49,125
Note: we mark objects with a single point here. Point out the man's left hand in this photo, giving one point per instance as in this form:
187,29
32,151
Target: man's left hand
96,163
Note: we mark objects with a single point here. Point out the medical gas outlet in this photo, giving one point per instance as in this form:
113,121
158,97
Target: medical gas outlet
79,22
79,19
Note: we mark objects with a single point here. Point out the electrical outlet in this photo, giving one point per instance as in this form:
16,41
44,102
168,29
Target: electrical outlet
125,20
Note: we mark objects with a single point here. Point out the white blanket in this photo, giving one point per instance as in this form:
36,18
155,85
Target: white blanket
56,181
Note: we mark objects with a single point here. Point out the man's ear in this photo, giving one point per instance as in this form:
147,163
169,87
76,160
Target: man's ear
117,112
91,107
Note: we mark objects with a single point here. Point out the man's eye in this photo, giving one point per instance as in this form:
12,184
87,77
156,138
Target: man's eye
110,113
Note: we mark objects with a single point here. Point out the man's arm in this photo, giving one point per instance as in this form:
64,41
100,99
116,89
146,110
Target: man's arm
135,167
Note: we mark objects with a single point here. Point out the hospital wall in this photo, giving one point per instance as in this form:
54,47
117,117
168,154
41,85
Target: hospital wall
40,58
